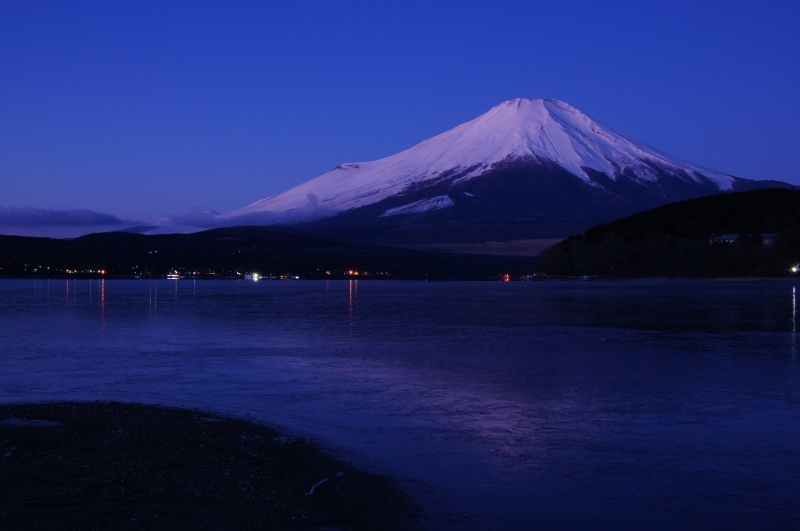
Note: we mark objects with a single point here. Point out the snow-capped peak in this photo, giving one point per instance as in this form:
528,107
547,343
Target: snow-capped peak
536,130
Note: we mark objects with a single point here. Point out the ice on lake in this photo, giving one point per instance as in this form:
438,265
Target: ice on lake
603,405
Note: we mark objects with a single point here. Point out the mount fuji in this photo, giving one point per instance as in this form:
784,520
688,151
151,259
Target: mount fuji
527,168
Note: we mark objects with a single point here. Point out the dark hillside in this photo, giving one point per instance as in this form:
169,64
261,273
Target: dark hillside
766,211
228,251
673,240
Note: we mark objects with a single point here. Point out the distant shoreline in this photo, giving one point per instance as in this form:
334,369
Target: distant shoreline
549,278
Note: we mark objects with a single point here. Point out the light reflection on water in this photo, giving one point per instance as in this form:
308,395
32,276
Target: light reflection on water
794,323
639,404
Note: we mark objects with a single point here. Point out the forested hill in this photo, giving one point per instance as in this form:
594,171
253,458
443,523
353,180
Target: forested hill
229,252
673,240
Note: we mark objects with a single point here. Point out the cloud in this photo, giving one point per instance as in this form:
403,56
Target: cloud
310,211
182,223
39,217
208,219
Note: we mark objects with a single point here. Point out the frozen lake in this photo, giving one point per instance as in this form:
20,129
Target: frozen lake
550,405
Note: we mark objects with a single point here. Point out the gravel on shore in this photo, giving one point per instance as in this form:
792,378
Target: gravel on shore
101,465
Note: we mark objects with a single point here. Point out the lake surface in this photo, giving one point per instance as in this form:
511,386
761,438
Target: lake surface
541,405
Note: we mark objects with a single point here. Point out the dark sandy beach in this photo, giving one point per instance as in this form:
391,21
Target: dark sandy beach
128,466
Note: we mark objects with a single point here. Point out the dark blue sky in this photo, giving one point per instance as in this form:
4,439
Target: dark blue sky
140,110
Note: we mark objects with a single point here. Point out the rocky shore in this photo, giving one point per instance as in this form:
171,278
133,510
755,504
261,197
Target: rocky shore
130,466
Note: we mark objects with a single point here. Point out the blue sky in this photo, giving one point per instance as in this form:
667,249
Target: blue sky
144,109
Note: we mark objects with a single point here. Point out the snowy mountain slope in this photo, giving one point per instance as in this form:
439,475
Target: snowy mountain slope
423,205
524,169
537,131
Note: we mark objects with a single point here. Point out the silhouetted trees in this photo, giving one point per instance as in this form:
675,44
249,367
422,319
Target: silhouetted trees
673,240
